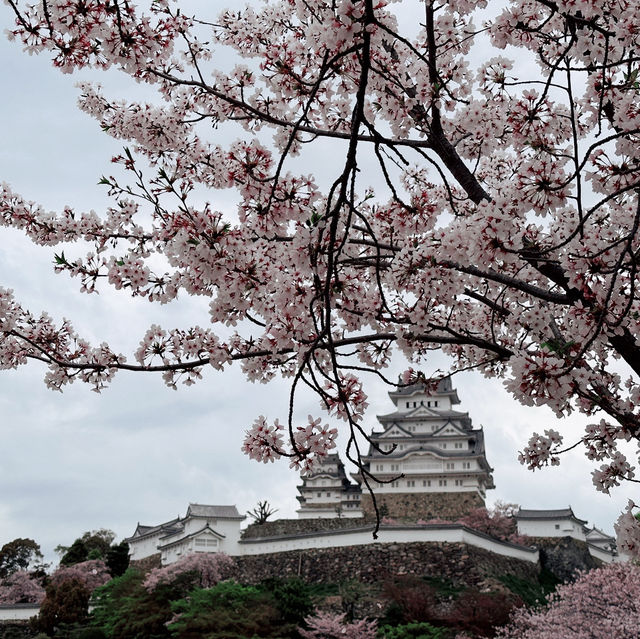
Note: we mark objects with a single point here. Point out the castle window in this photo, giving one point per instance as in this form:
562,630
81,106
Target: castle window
379,467
435,403
466,465
395,467
458,445
444,445
426,482
394,484
408,404
328,494
450,465
442,482
458,482
411,483
319,494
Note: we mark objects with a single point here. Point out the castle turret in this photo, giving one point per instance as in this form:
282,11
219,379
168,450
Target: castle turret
326,492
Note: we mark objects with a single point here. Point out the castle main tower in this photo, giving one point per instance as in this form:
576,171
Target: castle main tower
435,462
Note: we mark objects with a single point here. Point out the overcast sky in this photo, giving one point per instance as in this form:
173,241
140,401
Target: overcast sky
140,452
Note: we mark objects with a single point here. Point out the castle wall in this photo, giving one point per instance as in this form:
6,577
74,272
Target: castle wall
375,562
425,506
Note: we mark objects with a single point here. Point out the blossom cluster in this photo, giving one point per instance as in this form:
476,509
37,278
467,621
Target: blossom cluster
266,443
503,229
207,569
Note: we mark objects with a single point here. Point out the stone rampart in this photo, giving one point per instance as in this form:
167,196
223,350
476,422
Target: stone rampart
425,506
375,562
281,527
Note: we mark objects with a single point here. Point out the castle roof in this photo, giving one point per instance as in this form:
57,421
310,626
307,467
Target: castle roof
217,512
560,513
442,387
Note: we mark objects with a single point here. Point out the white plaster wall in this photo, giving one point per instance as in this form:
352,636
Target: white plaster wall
141,548
386,535
541,528
603,555
18,612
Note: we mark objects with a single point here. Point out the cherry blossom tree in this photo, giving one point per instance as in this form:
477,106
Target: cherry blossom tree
91,574
502,230
21,587
326,625
207,568
600,604
498,521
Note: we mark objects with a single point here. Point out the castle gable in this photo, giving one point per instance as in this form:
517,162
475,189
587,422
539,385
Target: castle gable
395,431
450,429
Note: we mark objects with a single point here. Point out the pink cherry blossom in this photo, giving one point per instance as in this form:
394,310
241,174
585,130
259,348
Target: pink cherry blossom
503,228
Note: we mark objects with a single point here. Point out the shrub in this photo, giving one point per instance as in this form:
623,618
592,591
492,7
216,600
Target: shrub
415,630
292,598
480,613
410,599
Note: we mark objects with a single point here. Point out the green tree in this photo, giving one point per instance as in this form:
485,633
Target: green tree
94,544
17,555
117,558
228,611
75,554
292,598
66,602
125,609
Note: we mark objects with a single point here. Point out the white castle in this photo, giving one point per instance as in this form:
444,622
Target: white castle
427,461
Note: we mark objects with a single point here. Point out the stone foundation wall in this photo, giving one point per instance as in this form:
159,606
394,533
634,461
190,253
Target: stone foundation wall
414,506
281,527
147,563
376,562
564,556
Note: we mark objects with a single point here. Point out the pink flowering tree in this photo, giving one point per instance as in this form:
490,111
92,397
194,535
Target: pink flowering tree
207,569
498,521
502,230
21,587
91,574
326,625
600,604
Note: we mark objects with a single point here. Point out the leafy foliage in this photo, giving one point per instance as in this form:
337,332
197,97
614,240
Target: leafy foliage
66,602
292,598
124,609
531,593
17,555
415,630
227,611
117,559
92,545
